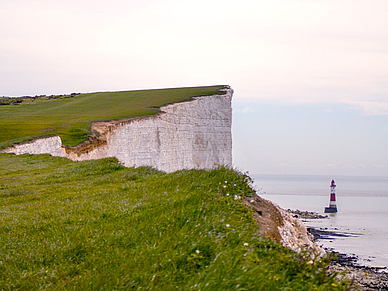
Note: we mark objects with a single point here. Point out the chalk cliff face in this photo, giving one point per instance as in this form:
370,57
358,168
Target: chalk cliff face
189,135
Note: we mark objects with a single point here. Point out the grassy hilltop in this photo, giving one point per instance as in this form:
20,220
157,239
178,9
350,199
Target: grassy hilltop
97,225
70,116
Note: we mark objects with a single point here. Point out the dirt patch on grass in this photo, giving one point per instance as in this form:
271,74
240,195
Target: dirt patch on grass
268,217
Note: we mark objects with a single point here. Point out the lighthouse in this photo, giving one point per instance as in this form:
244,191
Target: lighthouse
332,205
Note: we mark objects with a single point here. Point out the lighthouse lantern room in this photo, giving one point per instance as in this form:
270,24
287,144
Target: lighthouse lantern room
332,205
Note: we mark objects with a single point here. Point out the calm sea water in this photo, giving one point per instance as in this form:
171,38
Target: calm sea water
362,210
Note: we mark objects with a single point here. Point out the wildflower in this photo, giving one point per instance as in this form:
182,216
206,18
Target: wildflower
246,244
227,225
197,251
224,186
234,185
227,194
226,182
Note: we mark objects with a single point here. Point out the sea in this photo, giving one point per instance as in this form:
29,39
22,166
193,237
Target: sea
360,226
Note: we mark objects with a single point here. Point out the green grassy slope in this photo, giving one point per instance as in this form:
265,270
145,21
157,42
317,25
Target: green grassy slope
97,225
71,117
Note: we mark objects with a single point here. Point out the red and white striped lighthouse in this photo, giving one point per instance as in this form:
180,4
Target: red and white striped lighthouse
332,205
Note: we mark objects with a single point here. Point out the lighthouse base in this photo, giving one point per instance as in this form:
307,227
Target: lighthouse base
331,209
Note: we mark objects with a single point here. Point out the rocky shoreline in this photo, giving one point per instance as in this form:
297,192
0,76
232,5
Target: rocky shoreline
347,266
306,214
362,277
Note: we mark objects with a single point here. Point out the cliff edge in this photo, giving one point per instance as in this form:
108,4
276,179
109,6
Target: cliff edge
278,225
193,134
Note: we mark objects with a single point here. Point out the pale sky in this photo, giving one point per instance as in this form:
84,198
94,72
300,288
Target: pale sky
310,77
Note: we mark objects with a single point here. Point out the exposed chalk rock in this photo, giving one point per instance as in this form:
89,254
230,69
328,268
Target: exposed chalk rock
47,145
278,225
188,135
294,235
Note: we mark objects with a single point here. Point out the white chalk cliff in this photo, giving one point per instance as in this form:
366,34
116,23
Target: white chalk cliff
194,134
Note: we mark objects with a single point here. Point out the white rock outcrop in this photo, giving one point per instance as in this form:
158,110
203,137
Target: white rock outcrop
280,226
294,235
47,145
194,134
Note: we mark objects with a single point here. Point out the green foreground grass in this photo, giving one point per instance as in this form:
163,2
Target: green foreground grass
70,117
96,225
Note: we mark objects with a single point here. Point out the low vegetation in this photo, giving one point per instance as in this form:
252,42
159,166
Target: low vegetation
70,116
99,226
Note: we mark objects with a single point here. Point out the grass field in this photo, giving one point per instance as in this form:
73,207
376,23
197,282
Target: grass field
96,225
70,116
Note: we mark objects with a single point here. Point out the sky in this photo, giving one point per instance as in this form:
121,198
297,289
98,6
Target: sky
310,77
